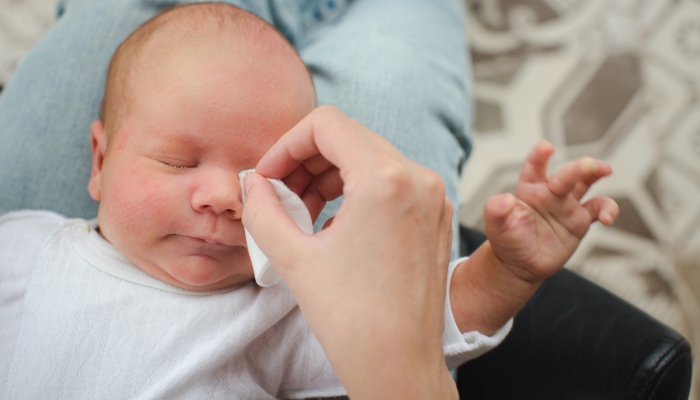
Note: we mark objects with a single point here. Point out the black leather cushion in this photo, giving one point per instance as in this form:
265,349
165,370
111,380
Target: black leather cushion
575,340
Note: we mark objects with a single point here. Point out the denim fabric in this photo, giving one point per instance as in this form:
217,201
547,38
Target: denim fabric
398,66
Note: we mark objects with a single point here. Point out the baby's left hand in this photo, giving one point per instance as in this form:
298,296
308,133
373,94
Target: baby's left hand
536,231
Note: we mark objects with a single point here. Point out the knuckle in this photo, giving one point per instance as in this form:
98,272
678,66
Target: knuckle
327,112
434,189
449,207
393,180
542,196
448,210
398,183
328,119
434,183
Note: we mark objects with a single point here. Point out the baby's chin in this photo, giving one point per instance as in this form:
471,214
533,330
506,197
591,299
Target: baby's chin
203,273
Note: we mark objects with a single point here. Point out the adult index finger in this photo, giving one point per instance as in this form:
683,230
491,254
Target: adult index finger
326,131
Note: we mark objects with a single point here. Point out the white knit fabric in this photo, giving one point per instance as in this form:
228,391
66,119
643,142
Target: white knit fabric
79,321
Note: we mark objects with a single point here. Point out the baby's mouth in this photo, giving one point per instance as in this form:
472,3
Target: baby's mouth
207,241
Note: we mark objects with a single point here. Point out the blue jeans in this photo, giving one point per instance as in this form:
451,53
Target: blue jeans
397,66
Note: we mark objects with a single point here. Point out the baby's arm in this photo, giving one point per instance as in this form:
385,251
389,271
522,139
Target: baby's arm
531,235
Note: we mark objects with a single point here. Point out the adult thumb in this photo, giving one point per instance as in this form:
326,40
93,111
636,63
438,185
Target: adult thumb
273,229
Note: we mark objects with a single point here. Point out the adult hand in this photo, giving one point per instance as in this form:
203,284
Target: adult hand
371,285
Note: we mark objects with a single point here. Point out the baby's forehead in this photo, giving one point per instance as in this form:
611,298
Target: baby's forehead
196,36
231,30
213,41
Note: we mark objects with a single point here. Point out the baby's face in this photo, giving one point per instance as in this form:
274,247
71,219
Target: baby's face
170,198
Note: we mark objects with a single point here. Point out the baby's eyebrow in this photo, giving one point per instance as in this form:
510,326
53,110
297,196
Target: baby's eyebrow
171,150
176,138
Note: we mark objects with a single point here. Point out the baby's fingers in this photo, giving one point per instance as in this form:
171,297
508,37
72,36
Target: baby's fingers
577,176
535,167
603,209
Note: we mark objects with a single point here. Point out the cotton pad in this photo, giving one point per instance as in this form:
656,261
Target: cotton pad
265,274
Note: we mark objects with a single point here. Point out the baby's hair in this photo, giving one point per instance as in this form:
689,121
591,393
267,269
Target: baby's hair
191,19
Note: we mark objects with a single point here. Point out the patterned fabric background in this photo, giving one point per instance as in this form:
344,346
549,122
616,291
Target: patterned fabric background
22,22
615,79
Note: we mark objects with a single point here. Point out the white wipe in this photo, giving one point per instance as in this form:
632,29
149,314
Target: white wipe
265,274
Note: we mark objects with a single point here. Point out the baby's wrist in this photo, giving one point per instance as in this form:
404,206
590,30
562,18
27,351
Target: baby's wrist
514,270
485,280
508,274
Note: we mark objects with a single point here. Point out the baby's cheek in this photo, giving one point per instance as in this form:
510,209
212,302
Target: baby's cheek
137,194
138,199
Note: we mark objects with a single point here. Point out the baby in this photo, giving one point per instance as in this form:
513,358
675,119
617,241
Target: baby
154,299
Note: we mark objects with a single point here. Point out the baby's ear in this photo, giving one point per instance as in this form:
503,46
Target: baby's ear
98,146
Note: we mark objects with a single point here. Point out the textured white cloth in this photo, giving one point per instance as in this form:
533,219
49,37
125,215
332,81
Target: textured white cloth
79,321
265,274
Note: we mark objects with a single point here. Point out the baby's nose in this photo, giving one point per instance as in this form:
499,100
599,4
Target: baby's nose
219,193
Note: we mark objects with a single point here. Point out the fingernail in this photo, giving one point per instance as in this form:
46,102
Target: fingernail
506,202
589,165
248,181
607,218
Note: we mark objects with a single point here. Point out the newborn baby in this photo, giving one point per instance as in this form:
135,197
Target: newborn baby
155,298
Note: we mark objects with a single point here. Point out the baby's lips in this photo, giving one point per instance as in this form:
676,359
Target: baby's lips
232,239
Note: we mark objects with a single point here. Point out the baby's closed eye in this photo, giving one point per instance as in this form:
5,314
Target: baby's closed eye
176,166
172,163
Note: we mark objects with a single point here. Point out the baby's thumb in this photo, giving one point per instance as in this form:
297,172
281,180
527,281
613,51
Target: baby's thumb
266,220
496,212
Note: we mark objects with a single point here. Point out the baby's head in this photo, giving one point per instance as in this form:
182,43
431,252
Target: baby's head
193,97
